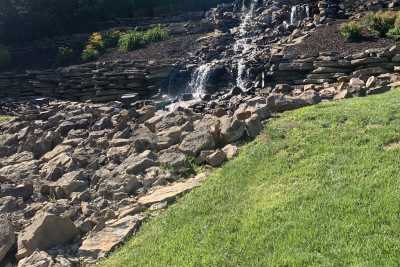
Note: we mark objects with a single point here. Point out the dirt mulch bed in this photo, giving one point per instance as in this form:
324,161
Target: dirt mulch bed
327,38
173,48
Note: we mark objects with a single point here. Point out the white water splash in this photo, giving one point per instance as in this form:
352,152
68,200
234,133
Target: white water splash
298,13
198,80
242,46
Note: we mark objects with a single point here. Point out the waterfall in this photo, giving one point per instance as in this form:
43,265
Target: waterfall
198,81
298,13
197,84
241,45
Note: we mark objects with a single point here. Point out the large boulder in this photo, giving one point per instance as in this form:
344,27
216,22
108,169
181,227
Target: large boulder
7,237
232,129
197,141
46,231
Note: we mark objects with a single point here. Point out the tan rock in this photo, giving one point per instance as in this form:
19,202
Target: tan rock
169,192
98,244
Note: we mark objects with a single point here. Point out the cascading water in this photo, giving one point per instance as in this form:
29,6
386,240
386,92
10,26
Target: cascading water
198,81
299,13
242,46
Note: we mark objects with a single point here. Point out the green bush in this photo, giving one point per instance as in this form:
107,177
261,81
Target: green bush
136,39
394,33
131,41
90,54
381,22
352,31
64,55
5,57
155,34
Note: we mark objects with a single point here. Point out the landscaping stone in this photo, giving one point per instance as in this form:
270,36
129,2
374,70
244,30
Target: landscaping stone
7,237
46,230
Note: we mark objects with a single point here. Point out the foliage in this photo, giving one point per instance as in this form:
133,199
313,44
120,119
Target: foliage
155,34
319,187
5,57
394,33
90,54
136,39
131,41
351,31
110,39
64,55
380,22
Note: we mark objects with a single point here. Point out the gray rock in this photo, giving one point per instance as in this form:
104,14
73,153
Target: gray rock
37,259
216,158
253,126
232,129
197,141
136,164
7,237
47,230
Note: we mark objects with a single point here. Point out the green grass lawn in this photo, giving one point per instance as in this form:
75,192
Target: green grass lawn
319,187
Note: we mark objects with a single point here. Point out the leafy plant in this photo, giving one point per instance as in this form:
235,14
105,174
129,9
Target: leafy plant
64,55
131,41
5,57
136,39
394,33
351,31
96,41
155,34
381,22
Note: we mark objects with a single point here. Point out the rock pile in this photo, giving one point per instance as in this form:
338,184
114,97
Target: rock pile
76,177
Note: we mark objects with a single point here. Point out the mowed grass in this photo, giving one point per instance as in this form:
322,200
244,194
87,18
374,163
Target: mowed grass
319,187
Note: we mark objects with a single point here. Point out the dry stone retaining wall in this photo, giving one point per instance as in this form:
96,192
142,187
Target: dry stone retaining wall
103,81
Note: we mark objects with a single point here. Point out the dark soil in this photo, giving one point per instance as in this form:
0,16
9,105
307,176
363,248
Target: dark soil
327,38
172,49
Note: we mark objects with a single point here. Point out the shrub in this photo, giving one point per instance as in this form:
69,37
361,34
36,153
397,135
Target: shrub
90,54
110,39
96,41
131,40
352,31
394,33
155,34
5,57
136,39
381,22
64,55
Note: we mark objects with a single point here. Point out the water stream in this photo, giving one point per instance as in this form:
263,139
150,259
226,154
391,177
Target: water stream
243,45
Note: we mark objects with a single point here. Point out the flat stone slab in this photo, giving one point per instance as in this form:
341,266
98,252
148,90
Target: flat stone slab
171,192
98,244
